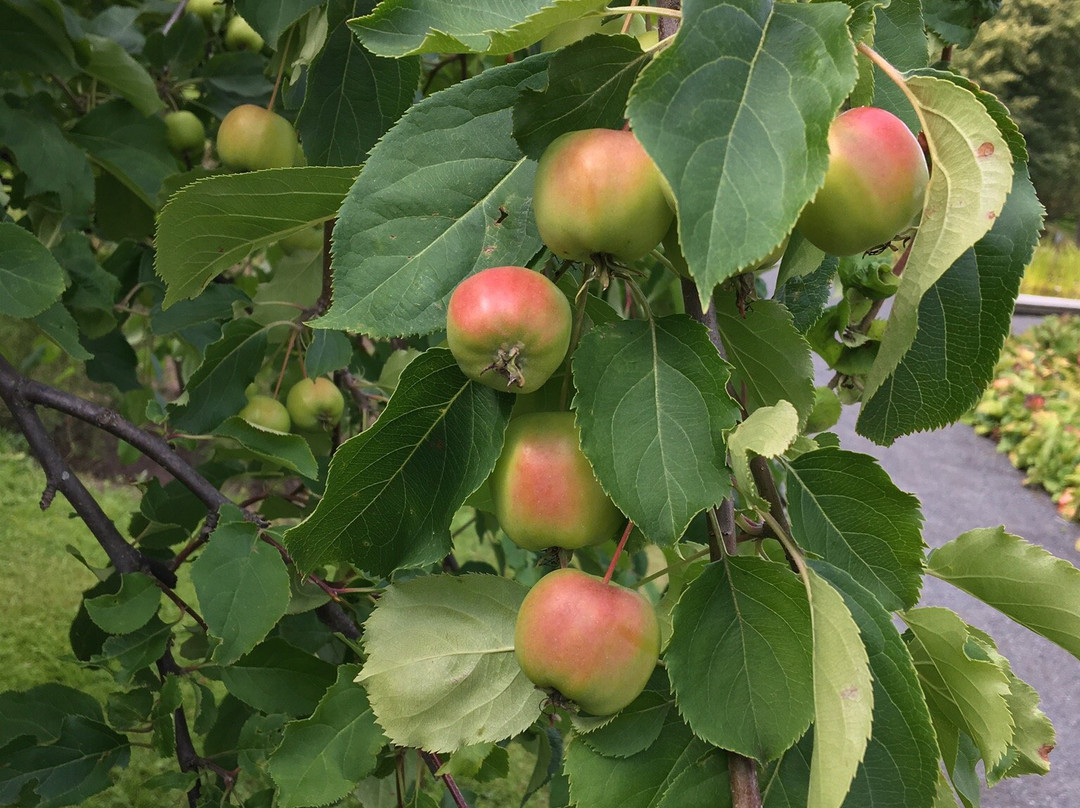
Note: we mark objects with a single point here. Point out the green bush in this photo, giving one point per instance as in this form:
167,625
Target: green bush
1032,408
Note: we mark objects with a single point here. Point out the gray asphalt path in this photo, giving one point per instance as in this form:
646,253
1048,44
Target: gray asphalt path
963,483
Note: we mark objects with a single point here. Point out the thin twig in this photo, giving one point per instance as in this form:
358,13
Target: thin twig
175,16
618,552
434,764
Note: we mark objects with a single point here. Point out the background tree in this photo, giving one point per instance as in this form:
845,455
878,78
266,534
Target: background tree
1025,55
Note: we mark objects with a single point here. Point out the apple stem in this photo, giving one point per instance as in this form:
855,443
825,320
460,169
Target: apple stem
628,18
281,71
285,362
618,552
658,11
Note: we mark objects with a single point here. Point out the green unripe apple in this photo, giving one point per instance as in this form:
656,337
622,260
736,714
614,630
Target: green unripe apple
268,413
874,186
253,138
241,36
203,9
769,260
826,411
598,191
309,239
185,132
595,643
544,489
315,404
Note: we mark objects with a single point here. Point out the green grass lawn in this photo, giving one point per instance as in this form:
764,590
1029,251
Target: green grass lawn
40,590
1054,270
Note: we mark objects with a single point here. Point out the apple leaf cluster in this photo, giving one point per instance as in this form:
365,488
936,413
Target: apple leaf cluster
340,589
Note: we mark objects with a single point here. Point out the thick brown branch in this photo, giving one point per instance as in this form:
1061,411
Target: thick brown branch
59,477
745,792
112,422
668,26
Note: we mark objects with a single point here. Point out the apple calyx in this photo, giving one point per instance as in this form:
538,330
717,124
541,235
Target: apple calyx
506,364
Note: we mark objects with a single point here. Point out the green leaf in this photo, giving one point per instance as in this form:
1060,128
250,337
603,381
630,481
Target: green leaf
30,278
972,176
297,281
1033,734
445,194
441,671
67,771
705,784
957,21
392,491
130,608
639,781
770,357
843,697
216,388
276,677
962,691
744,627
108,62
352,97
481,762
41,711
1024,581
635,727
321,758
405,27
963,320
805,296
130,709
243,588
329,351
216,302
130,653
944,797
901,761
288,451
785,70
846,509
768,432
47,159
271,19
211,224
661,458
588,84
35,38
786,783
128,145
114,362
58,325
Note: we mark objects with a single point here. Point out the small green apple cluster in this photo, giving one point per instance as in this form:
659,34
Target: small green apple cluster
310,405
